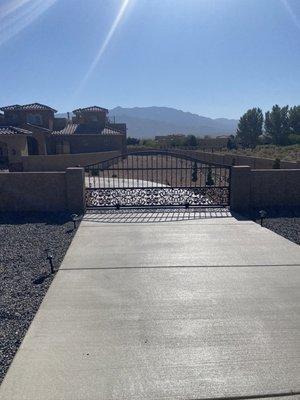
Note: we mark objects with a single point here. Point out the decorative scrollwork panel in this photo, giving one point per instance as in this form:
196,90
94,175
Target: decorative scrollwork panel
137,197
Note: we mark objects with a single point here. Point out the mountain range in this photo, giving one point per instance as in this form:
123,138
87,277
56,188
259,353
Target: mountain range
147,122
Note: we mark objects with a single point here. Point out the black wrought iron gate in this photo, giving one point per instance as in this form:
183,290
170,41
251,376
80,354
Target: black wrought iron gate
156,178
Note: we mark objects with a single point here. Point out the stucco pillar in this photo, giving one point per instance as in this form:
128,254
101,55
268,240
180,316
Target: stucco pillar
240,188
75,187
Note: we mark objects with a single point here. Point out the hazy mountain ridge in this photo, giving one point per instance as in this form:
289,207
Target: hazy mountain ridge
151,121
146,122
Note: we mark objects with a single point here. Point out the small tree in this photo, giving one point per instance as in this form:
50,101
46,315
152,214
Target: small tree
209,179
191,141
250,127
194,172
277,124
231,144
132,141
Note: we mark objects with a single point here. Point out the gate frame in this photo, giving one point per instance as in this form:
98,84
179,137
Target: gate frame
152,152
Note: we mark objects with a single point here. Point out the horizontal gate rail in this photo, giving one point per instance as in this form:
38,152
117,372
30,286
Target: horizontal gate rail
156,179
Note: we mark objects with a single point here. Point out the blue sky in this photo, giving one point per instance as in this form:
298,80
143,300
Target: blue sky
215,58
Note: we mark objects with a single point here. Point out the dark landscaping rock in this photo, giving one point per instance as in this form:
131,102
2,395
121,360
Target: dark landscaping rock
286,227
284,222
24,272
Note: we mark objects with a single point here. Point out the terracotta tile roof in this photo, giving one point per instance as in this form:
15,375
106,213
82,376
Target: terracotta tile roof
70,129
12,130
86,129
110,131
91,108
33,106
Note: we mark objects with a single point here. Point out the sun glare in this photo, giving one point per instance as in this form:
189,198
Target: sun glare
103,47
16,15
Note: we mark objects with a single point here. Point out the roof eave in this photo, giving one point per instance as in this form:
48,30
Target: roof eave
20,107
87,109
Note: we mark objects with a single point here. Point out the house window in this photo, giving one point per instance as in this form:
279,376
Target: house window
93,118
3,149
35,119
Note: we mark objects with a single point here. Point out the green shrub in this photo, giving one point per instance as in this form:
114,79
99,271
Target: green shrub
209,181
194,172
294,138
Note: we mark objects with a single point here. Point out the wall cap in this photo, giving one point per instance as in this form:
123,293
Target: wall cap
240,166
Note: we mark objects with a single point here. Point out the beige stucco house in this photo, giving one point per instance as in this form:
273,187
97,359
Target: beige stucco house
32,129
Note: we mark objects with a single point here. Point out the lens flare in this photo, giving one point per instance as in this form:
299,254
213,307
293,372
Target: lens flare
16,15
106,42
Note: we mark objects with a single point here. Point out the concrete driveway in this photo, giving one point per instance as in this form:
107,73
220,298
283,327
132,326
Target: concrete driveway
166,306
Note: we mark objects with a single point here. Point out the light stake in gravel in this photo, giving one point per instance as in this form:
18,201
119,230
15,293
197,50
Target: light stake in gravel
263,215
75,218
50,259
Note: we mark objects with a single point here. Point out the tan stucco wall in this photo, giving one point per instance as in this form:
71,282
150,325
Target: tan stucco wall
253,162
275,188
59,162
42,191
252,188
231,159
15,142
240,185
87,143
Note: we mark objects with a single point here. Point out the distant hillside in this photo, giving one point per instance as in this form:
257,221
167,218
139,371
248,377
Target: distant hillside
145,122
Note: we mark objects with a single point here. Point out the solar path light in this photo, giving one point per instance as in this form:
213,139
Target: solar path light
50,259
75,218
262,214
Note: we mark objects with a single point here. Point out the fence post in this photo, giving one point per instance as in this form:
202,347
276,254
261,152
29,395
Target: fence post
75,188
240,188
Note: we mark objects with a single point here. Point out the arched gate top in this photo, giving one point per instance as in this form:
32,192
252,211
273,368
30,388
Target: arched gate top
167,153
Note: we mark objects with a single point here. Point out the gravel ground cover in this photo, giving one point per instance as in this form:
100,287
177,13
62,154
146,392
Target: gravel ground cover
283,222
24,272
